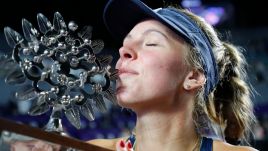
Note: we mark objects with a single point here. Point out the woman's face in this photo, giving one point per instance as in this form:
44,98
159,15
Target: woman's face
151,66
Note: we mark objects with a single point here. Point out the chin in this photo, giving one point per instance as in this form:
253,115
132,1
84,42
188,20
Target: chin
126,103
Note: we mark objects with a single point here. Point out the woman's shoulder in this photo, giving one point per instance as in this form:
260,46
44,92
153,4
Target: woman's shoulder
105,143
220,145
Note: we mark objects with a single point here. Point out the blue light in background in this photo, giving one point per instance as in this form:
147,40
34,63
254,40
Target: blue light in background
212,14
191,3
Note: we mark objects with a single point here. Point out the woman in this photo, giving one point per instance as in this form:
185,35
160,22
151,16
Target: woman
186,86
179,79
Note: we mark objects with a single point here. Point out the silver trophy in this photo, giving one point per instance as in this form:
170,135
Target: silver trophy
61,69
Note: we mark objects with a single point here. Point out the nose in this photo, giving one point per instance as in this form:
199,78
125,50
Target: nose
127,53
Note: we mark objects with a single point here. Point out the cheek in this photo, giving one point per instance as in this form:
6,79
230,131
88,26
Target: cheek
163,70
170,64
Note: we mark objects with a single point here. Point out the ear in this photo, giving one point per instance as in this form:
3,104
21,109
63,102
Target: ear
194,79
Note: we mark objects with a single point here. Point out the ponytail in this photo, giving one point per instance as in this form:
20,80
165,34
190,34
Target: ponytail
231,99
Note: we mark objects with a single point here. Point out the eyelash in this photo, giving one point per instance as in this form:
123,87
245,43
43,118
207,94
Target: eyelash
151,44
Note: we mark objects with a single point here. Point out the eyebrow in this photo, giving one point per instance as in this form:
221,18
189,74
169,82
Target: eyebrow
147,32
155,30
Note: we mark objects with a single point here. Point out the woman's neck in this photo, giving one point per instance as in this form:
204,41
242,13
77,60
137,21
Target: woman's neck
166,130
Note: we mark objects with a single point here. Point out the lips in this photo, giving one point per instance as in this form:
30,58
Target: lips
124,71
124,74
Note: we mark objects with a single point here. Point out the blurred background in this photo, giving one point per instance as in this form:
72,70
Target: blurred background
244,23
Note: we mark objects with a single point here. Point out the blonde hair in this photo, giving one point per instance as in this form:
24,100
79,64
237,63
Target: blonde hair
229,106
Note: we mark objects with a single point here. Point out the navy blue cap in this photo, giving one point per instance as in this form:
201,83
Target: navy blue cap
120,16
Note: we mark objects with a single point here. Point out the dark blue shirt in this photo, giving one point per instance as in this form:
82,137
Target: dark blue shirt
206,144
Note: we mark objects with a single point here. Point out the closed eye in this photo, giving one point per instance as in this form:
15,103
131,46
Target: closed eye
151,44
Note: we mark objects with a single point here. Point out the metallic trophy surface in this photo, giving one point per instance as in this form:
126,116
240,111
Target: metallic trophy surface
61,70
